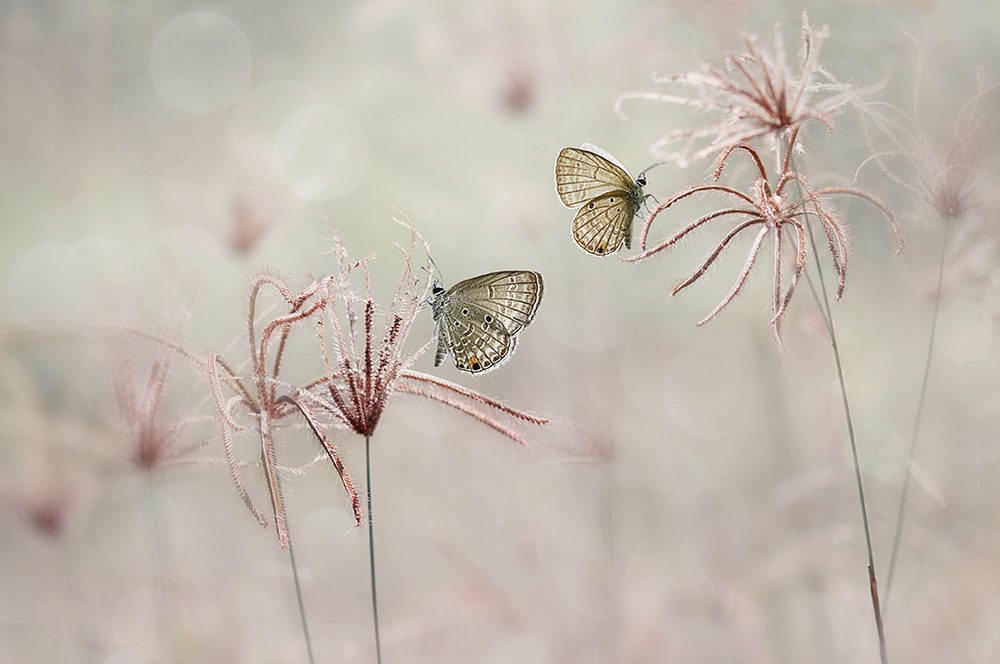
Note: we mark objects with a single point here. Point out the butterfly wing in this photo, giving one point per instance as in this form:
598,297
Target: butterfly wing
605,223
582,176
479,319
475,345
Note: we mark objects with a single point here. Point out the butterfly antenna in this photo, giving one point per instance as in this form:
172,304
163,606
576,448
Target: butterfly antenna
642,176
436,272
641,181
436,278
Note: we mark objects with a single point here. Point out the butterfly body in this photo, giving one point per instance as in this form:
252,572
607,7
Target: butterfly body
606,194
478,320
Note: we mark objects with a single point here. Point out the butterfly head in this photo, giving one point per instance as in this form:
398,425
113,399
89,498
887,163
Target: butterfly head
437,289
641,180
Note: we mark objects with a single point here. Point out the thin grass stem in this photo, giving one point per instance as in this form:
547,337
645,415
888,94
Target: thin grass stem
900,513
302,605
163,611
610,585
298,585
371,547
824,304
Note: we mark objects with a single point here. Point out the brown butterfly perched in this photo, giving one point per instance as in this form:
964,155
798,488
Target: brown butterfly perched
593,180
478,319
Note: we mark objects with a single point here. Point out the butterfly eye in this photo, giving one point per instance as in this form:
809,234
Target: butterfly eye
437,290
641,180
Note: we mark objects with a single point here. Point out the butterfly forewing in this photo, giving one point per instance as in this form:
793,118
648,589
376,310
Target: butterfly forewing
478,319
582,175
607,195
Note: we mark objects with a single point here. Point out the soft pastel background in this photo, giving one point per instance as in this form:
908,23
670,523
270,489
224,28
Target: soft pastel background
693,498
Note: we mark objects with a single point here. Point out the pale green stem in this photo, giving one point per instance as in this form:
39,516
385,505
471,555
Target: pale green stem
295,575
823,301
162,597
371,547
916,424
610,602
298,594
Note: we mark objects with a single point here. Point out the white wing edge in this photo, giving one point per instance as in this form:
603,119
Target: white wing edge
596,149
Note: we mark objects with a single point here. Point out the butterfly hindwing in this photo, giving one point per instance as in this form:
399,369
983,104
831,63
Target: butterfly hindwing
602,225
475,344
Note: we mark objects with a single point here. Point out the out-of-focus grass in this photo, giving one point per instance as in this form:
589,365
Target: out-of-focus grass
136,140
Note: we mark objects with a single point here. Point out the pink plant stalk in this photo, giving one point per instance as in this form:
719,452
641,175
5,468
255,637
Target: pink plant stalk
152,443
366,365
767,210
949,178
951,181
261,399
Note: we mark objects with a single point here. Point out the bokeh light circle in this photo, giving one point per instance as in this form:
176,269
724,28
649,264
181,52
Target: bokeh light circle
321,152
200,62
27,122
258,120
965,331
153,134
53,284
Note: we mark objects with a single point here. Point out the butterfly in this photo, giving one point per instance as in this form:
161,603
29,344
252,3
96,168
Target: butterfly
478,319
608,198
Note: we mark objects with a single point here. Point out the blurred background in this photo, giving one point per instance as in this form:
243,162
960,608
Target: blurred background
693,498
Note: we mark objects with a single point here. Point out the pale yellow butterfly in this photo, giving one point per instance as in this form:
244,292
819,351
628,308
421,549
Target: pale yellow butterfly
478,319
608,198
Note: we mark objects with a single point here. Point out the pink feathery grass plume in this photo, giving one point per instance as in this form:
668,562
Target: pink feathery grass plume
757,94
366,365
152,440
955,179
948,178
236,396
767,209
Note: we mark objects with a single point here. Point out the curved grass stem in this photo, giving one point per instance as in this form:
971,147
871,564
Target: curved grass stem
371,547
823,302
901,511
